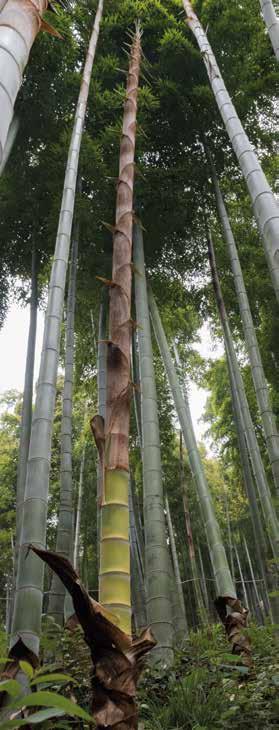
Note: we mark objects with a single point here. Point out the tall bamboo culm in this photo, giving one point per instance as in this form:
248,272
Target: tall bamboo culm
20,23
191,547
264,204
220,566
253,446
29,592
137,570
158,574
272,23
180,627
26,415
76,550
64,538
114,572
260,384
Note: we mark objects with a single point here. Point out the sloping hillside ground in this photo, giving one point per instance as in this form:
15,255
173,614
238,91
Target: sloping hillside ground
206,688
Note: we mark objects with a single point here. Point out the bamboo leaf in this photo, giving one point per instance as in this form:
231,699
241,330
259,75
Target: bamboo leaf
35,719
27,669
52,678
54,700
11,686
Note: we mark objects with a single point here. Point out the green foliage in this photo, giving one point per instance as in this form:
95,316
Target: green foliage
210,688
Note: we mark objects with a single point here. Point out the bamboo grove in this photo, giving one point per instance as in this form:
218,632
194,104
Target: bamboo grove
141,137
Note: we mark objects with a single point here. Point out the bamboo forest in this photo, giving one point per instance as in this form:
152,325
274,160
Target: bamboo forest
139,369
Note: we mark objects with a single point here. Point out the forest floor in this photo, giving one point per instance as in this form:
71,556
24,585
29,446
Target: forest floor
210,688
207,687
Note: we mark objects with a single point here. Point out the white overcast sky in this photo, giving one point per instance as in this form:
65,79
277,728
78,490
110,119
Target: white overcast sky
13,343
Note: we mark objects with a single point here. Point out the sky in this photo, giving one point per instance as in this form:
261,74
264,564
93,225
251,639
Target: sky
13,344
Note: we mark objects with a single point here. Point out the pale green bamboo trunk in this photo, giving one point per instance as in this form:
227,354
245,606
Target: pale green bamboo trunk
64,538
259,610
220,566
260,384
180,626
158,575
30,577
137,574
253,446
272,23
76,552
26,415
245,596
265,206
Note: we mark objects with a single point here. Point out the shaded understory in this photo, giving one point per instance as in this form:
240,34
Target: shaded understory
206,688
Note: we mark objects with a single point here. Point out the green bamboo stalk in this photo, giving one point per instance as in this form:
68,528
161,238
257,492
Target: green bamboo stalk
259,536
29,592
136,381
157,564
272,23
76,552
180,626
203,580
245,596
264,204
137,576
229,533
192,555
259,611
220,566
260,384
26,415
64,537
254,451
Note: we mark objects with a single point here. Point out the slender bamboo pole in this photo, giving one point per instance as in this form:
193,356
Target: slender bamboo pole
114,574
220,566
136,381
64,537
205,591
256,461
181,628
260,384
241,578
26,415
76,560
259,610
258,531
29,593
229,532
192,555
158,575
272,23
264,204
137,577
